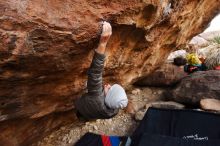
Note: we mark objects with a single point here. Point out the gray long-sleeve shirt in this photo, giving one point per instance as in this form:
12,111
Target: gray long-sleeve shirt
92,104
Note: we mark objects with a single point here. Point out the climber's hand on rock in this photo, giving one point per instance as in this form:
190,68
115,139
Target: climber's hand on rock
106,32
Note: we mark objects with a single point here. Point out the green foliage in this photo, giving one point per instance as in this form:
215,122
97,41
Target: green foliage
216,39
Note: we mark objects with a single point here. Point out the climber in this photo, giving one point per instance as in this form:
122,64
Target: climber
100,102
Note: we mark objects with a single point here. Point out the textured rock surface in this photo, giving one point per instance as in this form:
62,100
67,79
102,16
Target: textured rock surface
197,86
46,46
199,41
204,38
210,104
23,132
166,75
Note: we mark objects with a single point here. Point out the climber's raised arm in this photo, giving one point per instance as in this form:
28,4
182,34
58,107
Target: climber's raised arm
94,83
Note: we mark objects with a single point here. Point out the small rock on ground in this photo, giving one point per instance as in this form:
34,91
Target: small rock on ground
210,104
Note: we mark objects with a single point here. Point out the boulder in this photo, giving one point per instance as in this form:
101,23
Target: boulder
25,131
210,104
199,41
204,39
210,35
197,86
166,75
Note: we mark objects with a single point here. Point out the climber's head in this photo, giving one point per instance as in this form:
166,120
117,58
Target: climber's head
115,96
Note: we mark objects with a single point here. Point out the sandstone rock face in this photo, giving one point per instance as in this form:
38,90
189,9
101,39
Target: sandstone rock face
197,86
23,132
210,35
199,41
46,46
166,75
204,38
210,104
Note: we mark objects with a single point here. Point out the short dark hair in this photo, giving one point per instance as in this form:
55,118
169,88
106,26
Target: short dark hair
179,61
